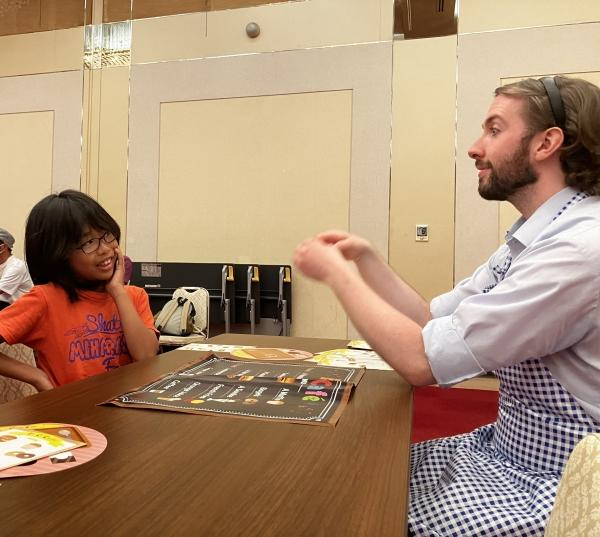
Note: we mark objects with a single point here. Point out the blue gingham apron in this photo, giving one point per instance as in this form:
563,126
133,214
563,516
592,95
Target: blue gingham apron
500,479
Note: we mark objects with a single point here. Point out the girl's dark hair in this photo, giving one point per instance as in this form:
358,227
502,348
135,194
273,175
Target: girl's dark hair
54,229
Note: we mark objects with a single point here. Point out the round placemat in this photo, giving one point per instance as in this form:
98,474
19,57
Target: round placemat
62,461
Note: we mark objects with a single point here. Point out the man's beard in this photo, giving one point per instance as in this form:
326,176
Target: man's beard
509,176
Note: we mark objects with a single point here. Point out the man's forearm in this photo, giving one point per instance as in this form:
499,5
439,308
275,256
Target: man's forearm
391,288
392,334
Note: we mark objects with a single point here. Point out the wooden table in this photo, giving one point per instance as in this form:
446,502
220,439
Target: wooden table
174,474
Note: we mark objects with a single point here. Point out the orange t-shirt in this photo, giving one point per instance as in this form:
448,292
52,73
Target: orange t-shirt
72,341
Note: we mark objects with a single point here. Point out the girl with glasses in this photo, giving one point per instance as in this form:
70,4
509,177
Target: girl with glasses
79,318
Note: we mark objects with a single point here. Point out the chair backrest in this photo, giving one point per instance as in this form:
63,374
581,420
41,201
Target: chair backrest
11,389
200,298
577,503
160,280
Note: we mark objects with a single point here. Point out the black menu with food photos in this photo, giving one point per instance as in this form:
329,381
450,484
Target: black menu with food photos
299,393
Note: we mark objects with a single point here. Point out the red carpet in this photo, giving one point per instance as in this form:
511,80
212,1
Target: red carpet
441,412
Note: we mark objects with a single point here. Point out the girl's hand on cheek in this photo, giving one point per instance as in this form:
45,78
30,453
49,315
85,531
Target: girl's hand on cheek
115,284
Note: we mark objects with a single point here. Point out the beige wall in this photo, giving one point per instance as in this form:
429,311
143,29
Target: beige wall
422,189
486,15
284,26
106,129
42,52
26,156
232,206
61,94
282,152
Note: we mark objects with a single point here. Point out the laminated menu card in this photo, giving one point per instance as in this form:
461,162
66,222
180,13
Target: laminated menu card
299,393
20,445
351,357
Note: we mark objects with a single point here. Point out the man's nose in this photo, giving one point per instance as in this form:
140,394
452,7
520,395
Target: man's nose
476,151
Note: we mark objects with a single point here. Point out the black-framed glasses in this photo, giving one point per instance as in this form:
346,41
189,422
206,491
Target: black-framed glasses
91,245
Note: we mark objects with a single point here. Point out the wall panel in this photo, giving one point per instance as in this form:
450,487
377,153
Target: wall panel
112,151
182,36
486,15
422,188
245,180
60,93
43,52
284,26
120,10
26,141
360,71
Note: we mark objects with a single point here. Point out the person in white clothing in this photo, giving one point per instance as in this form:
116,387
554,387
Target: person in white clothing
14,276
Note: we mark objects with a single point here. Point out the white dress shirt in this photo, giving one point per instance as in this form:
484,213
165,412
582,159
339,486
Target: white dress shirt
546,306
14,279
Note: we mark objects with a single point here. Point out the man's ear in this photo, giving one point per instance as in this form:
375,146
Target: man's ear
547,143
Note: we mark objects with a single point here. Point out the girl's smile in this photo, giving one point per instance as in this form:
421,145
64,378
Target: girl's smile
107,264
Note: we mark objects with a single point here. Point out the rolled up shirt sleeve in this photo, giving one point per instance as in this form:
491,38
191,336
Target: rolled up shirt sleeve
545,304
450,358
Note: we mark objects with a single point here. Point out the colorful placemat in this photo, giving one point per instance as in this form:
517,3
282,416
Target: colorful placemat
291,392
351,358
63,461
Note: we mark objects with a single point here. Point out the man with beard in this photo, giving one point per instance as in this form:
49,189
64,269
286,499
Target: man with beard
530,314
